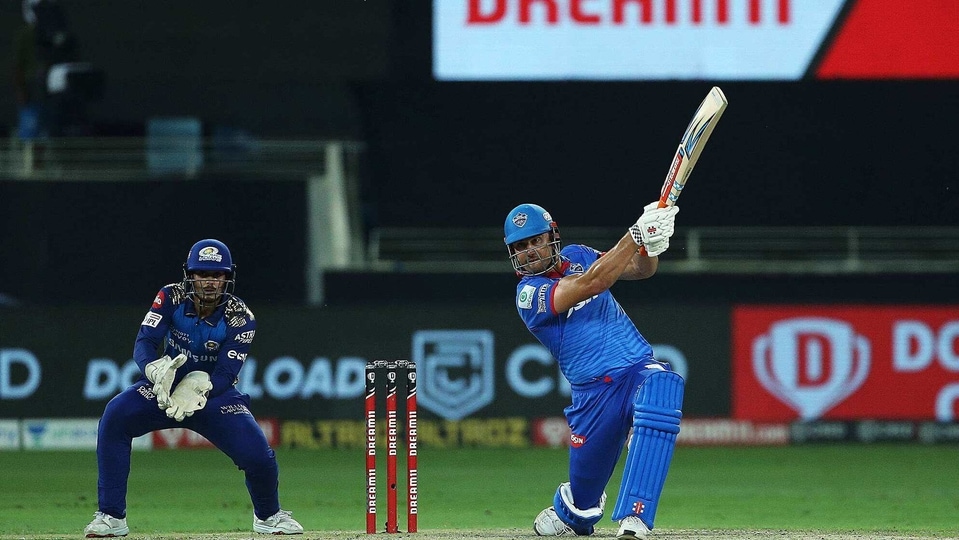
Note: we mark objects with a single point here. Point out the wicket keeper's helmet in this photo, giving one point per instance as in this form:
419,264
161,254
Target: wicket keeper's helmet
525,221
209,255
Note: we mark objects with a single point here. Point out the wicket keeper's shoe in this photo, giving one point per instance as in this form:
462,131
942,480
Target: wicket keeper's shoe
632,528
547,523
106,526
281,522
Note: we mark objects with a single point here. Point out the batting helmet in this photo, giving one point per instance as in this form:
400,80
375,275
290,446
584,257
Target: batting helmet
209,256
527,220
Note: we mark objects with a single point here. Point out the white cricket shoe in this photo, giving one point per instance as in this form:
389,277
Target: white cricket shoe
106,526
547,523
632,528
281,522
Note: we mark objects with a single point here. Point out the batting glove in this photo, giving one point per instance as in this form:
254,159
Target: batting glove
654,228
190,395
161,373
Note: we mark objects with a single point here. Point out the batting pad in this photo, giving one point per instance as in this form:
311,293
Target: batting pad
581,521
656,414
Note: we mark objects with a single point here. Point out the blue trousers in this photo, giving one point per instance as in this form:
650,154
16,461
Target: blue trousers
600,417
225,421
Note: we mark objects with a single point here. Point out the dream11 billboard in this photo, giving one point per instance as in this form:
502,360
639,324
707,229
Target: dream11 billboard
695,39
845,363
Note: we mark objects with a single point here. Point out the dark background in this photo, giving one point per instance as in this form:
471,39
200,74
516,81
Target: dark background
450,154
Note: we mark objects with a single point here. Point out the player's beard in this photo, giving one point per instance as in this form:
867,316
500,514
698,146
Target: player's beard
536,263
207,297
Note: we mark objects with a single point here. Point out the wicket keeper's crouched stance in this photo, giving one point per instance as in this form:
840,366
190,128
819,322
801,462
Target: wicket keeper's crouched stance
563,297
205,333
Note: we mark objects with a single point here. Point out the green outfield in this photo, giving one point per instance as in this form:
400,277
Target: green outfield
846,490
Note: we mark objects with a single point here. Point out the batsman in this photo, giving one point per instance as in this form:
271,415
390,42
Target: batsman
617,384
202,334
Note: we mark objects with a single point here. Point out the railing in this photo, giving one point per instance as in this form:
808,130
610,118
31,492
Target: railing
140,158
728,250
335,239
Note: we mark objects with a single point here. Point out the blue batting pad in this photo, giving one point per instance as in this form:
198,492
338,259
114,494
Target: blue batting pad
656,414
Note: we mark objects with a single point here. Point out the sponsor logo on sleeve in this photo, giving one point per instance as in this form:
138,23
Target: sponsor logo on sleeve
158,301
245,337
541,299
152,319
525,298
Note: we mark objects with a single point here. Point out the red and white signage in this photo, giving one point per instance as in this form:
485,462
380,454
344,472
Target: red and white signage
186,438
694,39
845,362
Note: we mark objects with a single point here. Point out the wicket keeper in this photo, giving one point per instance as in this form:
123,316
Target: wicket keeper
204,333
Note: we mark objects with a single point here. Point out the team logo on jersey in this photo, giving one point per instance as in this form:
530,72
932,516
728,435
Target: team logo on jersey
211,345
210,253
525,298
520,219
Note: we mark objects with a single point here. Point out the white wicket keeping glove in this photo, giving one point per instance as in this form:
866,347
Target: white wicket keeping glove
161,373
654,228
190,395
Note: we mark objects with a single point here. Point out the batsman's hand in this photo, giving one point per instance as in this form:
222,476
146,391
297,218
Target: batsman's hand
161,373
190,395
654,228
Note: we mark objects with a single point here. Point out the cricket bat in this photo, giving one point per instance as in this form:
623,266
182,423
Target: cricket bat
691,145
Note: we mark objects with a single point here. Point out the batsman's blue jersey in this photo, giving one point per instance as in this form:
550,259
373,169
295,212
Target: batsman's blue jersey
590,340
217,345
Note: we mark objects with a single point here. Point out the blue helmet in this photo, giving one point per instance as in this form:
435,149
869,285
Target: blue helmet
527,220
209,256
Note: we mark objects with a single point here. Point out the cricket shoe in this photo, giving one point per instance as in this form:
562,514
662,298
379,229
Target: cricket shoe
106,526
281,522
547,523
632,528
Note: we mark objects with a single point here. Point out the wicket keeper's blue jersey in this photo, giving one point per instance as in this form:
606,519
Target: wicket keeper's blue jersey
591,339
217,344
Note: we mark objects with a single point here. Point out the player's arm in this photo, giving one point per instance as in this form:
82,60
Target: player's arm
652,231
153,329
576,288
233,352
641,266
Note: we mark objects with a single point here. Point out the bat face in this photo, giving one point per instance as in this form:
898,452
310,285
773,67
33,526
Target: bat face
691,146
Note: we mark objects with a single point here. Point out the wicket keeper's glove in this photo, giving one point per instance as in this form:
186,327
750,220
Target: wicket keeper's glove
161,373
654,228
190,395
